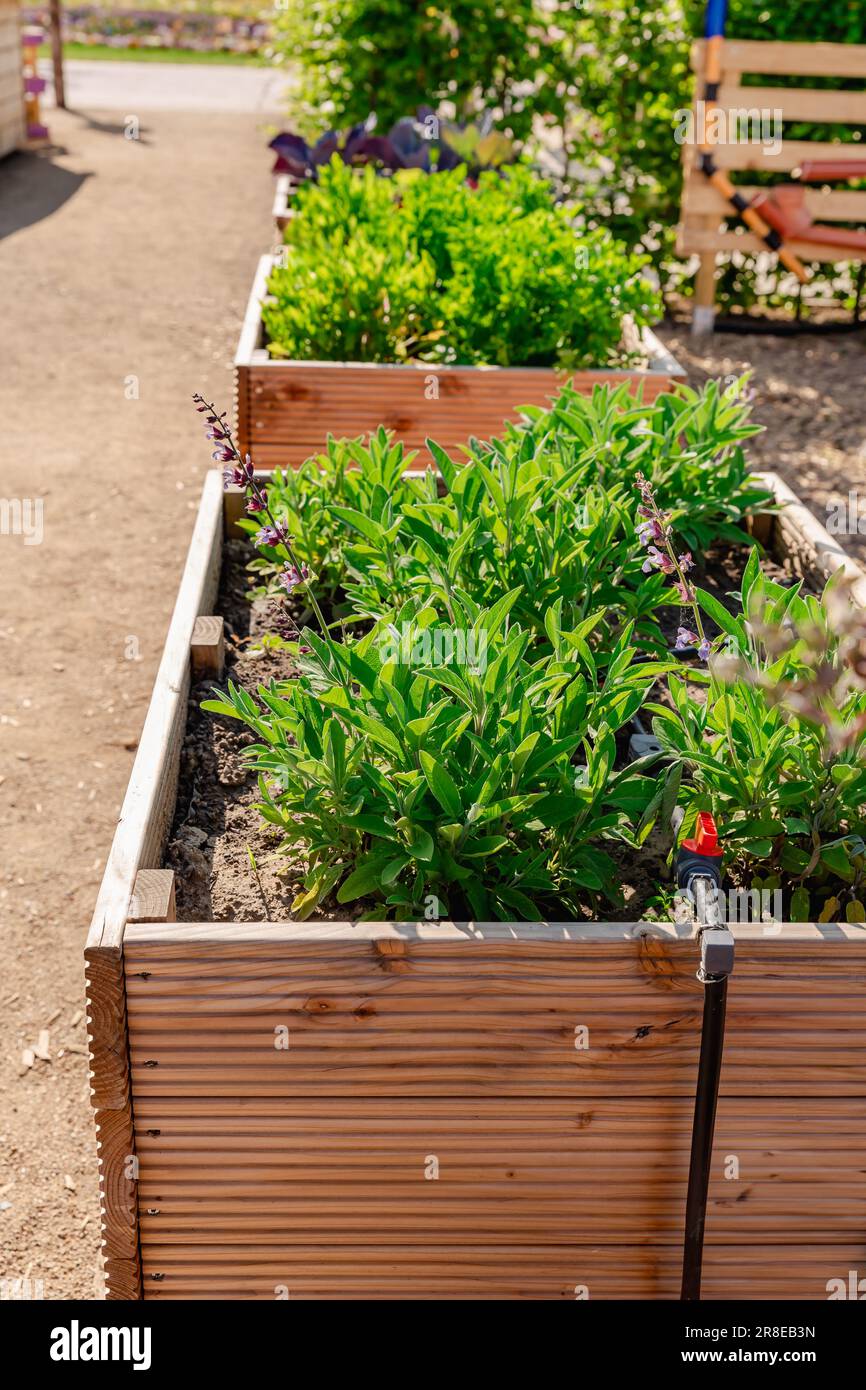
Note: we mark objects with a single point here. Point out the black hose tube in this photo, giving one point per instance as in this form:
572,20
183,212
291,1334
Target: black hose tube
703,1130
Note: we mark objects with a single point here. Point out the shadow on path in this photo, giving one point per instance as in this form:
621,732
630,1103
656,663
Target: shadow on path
110,127
32,186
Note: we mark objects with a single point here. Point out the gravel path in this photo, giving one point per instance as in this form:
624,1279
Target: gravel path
124,270
810,394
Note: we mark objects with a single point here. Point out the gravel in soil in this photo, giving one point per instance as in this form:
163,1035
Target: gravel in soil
222,852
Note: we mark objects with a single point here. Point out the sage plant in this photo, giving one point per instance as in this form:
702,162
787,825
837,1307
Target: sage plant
656,534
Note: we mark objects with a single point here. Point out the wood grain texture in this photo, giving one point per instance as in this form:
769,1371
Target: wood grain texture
805,545
824,204
294,1082
234,509
560,1271
776,59
796,103
149,802
153,897
285,410
207,648
411,1033
111,1099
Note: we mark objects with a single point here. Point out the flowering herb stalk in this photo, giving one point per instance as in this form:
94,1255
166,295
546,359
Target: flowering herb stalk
239,472
656,534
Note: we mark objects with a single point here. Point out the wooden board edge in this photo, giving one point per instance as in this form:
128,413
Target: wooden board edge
145,815
284,188
660,359
394,936
797,533
150,779
251,328
785,59
248,348
663,365
697,241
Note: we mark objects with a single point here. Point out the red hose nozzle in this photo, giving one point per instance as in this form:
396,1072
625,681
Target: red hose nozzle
706,840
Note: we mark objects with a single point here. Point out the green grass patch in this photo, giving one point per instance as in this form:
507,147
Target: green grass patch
157,55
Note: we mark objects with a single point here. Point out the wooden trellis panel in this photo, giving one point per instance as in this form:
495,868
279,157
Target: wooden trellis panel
708,225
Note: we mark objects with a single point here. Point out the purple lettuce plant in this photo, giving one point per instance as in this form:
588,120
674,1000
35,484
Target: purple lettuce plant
656,534
424,141
240,471
357,145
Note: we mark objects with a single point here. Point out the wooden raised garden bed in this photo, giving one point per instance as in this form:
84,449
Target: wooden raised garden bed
432,1130
285,410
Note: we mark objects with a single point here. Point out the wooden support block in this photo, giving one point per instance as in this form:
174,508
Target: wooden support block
234,503
207,648
153,898
704,311
760,528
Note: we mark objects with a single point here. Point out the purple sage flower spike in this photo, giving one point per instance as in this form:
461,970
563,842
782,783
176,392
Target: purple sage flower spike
685,639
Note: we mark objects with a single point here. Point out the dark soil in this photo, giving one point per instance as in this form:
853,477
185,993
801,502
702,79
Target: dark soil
222,852
227,859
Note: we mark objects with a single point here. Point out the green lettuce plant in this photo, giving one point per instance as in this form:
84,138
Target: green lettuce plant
388,270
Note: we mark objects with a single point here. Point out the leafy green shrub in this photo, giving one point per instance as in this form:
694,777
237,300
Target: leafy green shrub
357,56
776,748
311,500
796,21
451,781
383,270
632,75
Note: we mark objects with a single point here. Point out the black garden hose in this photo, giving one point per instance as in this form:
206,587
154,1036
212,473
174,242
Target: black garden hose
699,872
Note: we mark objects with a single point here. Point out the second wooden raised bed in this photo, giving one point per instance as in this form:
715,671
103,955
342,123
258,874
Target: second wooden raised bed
285,410
474,1111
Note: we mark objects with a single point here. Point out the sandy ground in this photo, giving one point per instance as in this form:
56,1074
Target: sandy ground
124,268
810,394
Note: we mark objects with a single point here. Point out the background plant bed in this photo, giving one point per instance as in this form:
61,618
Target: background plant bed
430,1128
285,410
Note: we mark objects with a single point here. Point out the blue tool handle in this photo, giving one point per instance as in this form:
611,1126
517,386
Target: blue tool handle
717,15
